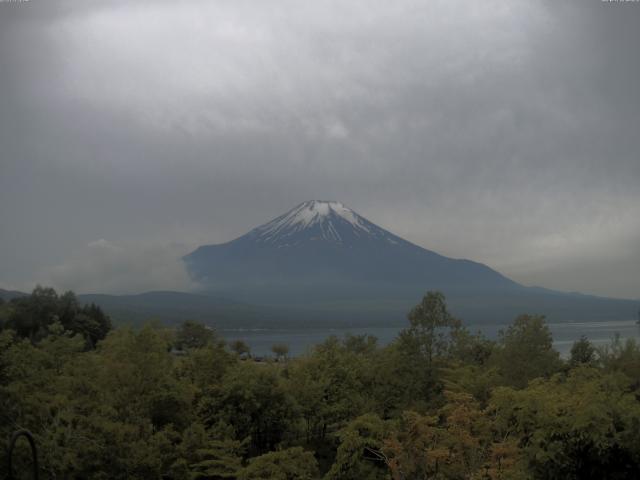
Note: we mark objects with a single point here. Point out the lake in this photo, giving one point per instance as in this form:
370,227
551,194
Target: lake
300,340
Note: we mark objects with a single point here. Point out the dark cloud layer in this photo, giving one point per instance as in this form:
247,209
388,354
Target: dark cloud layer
502,131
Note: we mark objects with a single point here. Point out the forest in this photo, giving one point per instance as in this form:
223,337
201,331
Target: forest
440,402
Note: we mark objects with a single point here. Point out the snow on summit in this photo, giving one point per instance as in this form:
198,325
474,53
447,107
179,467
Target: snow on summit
315,211
319,220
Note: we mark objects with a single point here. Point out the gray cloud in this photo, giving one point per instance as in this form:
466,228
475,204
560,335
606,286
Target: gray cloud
107,267
504,131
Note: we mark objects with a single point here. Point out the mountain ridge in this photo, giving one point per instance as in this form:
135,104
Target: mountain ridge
327,243
323,253
321,264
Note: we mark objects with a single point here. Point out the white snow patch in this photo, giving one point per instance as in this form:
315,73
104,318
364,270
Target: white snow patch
311,213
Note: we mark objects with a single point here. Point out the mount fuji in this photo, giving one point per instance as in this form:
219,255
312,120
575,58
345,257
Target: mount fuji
324,260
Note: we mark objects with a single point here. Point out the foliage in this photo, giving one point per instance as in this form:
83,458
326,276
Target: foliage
623,357
193,335
290,464
253,401
327,386
582,353
525,351
430,329
280,350
456,441
584,425
33,316
359,454
204,456
241,348
438,402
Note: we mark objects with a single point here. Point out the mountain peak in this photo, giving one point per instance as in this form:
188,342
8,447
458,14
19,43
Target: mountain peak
325,247
315,211
317,220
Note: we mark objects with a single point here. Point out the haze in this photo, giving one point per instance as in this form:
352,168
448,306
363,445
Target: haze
504,131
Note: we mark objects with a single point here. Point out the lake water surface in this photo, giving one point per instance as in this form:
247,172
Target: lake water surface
300,340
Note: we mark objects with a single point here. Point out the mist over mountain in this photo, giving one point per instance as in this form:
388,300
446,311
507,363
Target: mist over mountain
324,257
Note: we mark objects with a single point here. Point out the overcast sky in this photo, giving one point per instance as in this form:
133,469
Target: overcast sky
506,132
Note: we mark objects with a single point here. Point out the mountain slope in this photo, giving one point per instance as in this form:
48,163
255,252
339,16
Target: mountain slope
327,247
323,257
174,307
7,295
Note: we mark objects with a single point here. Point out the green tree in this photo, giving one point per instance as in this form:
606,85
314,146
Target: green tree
253,401
409,368
327,386
280,350
525,351
92,323
431,327
623,357
359,455
582,352
470,349
32,316
192,335
5,314
454,442
290,464
202,454
584,425
240,347
360,344
137,377
205,367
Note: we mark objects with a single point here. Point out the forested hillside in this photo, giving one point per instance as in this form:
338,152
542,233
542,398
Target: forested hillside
438,403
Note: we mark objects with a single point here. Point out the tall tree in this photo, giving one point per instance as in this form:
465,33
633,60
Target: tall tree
525,351
192,335
582,352
431,327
